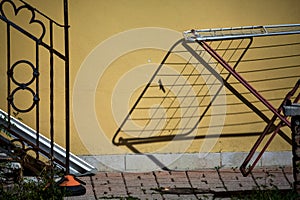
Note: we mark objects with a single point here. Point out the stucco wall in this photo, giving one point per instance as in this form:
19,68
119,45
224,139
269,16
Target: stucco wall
98,32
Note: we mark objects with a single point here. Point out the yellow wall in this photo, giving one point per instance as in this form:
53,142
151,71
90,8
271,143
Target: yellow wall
95,21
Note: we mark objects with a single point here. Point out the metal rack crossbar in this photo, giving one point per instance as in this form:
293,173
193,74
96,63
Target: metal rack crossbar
240,32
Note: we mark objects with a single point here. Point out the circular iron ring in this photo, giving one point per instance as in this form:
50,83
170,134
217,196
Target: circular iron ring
11,99
35,73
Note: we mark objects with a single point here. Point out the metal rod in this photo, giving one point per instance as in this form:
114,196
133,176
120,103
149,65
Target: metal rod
51,94
250,155
67,85
8,75
265,132
233,33
36,99
214,54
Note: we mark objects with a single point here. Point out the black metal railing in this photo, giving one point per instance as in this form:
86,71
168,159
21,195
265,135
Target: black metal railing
43,62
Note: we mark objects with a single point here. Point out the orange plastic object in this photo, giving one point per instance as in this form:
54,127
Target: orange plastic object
69,181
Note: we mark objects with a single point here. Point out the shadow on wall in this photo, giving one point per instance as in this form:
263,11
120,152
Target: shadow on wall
186,100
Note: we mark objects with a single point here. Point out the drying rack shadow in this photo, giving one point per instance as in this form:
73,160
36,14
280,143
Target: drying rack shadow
177,103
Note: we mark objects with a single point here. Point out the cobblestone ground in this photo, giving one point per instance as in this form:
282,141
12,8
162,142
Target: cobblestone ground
201,184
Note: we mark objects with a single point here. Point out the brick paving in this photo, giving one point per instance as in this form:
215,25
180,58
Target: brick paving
200,184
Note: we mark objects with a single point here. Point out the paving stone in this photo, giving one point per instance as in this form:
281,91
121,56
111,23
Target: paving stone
235,186
205,196
149,197
167,184
162,174
177,173
135,190
171,196
118,185
114,174
118,191
179,197
196,176
147,184
190,197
